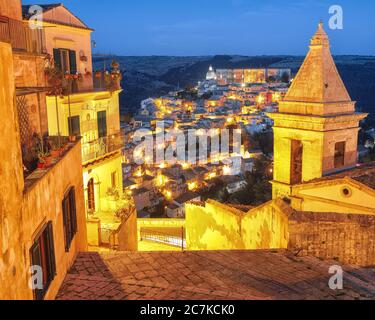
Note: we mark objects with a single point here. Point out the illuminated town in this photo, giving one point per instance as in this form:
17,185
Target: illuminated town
249,184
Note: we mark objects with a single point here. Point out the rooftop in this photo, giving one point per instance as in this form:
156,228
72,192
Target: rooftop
187,196
364,174
207,275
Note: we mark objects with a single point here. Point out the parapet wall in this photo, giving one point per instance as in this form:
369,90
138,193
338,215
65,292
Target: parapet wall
350,239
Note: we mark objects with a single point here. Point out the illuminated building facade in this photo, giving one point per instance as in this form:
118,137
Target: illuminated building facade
86,111
42,214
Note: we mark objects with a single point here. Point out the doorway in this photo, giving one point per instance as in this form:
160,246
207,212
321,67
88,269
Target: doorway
91,195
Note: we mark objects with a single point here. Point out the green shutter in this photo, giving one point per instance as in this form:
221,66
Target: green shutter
57,58
102,124
73,62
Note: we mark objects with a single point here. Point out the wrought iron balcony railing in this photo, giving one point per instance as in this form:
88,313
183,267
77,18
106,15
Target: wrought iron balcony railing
101,147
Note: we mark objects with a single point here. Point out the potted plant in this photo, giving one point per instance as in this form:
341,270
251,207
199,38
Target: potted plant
44,160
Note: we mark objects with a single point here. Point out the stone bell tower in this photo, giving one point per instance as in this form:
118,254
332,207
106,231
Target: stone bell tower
316,128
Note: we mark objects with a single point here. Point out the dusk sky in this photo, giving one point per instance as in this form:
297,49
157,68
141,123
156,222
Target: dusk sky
209,27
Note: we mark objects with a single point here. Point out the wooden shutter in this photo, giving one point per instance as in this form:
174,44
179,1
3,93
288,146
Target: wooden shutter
73,212
50,252
65,207
73,62
102,124
57,58
36,260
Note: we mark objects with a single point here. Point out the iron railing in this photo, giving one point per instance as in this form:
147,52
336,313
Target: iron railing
164,238
101,147
21,37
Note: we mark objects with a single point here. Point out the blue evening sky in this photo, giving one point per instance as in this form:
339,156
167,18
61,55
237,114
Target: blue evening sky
208,27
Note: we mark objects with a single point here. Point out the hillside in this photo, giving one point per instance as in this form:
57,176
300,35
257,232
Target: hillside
153,76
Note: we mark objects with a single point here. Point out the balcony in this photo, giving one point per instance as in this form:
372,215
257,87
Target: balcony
21,37
37,167
102,147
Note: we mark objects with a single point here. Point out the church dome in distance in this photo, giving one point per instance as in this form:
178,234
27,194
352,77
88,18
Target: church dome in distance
211,75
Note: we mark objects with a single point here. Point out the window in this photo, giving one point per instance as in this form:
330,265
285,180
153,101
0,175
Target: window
43,256
114,180
69,217
102,124
74,126
296,162
65,60
340,154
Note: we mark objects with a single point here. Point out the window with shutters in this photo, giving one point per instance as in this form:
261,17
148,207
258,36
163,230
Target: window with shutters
43,256
65,60
102,124
70,218
74,126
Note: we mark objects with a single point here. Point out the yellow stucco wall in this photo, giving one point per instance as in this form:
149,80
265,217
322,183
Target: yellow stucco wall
86,106
329,197
101,173
265,227
219,227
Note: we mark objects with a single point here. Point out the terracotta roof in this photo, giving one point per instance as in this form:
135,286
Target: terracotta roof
188,196
210,275
47,7
364,174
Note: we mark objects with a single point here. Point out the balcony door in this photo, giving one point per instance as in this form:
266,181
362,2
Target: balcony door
91,195
102,124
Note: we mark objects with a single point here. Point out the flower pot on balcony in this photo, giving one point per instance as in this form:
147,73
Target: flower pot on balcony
41,165
55,153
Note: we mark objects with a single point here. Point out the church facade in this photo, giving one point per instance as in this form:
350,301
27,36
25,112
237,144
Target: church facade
323,200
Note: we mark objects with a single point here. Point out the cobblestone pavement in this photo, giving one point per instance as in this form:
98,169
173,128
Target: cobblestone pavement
229,275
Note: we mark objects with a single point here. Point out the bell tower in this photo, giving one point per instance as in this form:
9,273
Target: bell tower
316,128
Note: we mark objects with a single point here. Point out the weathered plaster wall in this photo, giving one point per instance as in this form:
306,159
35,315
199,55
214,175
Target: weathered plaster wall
43,203
128,240
11,9
348,238
29,70
23,212
219,227
213,227
11,184
265,227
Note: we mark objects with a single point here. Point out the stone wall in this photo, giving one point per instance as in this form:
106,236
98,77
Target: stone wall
26,209
350,239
